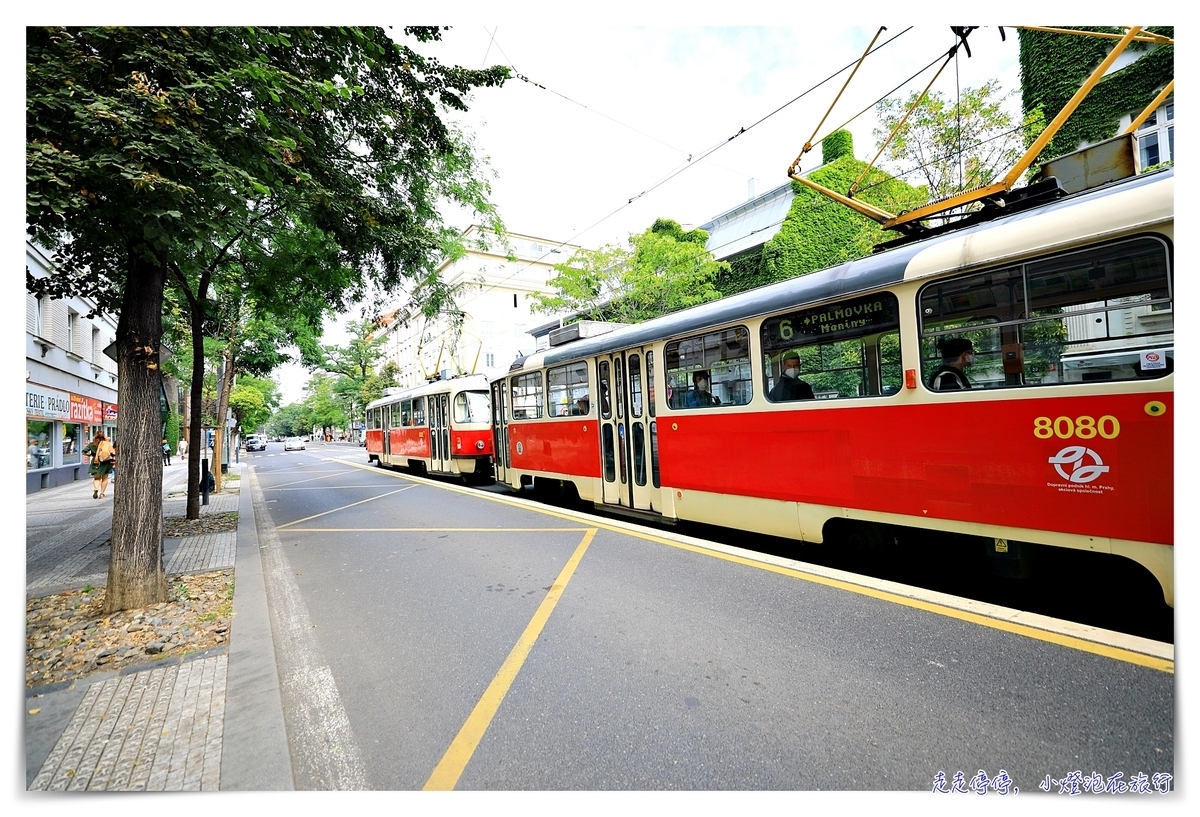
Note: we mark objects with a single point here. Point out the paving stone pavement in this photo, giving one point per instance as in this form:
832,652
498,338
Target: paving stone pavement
158,729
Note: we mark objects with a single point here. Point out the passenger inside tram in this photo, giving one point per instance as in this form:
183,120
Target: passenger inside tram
957,354
789,386
699,395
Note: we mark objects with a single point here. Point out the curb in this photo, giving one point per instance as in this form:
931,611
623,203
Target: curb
255,753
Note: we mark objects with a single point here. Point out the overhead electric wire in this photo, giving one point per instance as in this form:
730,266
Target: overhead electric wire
692,159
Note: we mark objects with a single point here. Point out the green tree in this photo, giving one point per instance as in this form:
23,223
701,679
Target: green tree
147,147
253,401
356,365
949,145
246,293
665,269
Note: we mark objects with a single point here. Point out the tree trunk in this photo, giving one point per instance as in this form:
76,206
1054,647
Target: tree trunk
135,568
223,387
196,441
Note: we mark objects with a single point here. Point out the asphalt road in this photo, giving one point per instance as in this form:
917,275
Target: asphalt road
430,636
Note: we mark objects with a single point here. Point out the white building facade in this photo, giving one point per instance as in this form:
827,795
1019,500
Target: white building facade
497,311
70,384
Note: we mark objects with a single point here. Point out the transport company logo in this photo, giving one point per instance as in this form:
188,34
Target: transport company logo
1073,458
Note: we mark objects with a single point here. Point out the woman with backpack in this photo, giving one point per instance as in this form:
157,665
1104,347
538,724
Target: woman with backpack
104,458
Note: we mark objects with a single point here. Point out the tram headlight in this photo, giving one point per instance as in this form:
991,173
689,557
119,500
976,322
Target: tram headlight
479,444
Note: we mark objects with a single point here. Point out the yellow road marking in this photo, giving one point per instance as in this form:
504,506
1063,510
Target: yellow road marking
1071,642
434,530
343,507
450,767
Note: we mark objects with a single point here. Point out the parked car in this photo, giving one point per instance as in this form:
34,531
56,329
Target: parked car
293,443
256,442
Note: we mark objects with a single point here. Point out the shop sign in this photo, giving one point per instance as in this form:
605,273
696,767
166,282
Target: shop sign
86,409
110,412
49,403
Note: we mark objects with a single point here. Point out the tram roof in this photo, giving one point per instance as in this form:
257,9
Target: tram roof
851,277
468,382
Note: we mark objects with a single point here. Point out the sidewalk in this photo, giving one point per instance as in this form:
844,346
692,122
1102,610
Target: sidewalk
201,723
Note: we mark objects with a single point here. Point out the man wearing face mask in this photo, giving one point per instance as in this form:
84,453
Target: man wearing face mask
699,396
789,386
957,353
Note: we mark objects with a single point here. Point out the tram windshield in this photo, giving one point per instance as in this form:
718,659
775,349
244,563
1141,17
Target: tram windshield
472,407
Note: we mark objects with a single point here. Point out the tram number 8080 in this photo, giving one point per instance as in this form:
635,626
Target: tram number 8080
1085,427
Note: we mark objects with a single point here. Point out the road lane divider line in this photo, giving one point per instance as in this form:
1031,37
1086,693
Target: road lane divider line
1081,637
302,481
448,770
343,507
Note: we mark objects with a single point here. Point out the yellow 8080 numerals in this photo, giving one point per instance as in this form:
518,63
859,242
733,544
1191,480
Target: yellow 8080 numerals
1085,427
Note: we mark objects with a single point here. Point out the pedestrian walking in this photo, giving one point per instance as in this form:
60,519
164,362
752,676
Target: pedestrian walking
104,458
166,449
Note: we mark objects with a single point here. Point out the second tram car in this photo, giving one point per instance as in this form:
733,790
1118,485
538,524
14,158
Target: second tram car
442,427
1064,437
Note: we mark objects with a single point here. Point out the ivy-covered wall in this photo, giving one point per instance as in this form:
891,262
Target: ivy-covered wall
818,232
743,272
1053,66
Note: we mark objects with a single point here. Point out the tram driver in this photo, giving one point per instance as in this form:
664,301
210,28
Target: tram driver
699,395
957,354
789,386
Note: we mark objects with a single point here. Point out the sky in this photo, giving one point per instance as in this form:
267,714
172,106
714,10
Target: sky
604,128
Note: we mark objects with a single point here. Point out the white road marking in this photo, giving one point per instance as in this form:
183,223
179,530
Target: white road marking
325,754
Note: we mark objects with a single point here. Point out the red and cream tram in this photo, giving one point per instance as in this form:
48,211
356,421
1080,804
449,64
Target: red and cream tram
442,427
1065,437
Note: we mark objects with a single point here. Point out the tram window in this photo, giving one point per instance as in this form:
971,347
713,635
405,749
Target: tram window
607,449
650,382
527,396
418,411
718,360
406,413
635,388
472,407
849,348
654,453
619,378
567,390
1103,313
639,454
602,376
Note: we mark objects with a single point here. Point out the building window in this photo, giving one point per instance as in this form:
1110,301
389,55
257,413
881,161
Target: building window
489,360
97,346
72,330
39,320
1156,136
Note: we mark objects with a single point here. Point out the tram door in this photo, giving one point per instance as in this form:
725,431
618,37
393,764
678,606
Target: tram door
385,457
439,432
626,417
500,429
